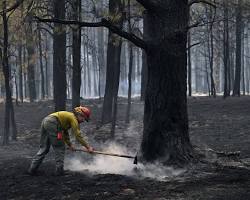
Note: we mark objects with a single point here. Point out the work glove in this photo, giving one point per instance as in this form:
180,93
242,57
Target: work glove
71,148
90,149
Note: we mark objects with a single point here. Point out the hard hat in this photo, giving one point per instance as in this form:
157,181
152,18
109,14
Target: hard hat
82,110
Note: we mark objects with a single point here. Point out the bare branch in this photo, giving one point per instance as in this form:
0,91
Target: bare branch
13,7
192,45
201,1
103,23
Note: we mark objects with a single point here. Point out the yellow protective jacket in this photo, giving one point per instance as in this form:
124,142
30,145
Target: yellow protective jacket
68,121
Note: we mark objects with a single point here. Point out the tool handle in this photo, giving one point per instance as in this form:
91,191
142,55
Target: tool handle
106,153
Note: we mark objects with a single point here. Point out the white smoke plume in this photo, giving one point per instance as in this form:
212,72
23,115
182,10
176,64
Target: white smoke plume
101,164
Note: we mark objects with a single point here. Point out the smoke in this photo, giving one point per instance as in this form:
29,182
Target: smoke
101,164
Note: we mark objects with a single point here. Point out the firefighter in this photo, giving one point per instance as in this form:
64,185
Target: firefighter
54,132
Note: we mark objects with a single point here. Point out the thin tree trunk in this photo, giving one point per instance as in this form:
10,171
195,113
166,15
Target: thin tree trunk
113,63
236,89
189,66
59,57
226,51
76,77
41,60
31,62
129,81
46,67
20,74
144,70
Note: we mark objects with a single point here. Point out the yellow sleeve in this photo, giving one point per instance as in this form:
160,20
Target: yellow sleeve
66,138
76,131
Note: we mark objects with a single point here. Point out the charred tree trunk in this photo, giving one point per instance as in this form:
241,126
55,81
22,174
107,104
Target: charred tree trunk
129,81
211,53
101,60
236,89
41,60
130,67
226,51
113,63
243,62
165,134
31,61
9,109
46,67
144,73
20,72
247,64
76,77
189,66
116,86
59,57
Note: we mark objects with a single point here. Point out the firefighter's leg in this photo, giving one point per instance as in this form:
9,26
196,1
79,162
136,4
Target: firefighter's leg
59,149
44,149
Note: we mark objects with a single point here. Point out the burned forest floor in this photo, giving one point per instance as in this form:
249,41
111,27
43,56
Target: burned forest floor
219,131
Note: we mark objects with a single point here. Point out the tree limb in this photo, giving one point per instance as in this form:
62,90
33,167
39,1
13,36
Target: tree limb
201,1
103,23
13,7
192,45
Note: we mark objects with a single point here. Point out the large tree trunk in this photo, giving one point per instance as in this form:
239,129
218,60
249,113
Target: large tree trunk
165,134
59,57
236,89
76,77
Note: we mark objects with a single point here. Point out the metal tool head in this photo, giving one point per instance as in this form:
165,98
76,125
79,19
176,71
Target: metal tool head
135,160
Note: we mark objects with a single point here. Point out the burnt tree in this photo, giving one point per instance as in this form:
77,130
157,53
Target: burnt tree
59,57
165,134
113,65
236,88
76,48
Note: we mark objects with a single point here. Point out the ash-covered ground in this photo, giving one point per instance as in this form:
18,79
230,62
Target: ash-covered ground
219,129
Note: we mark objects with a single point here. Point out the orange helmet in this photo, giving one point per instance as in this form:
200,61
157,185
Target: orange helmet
82,110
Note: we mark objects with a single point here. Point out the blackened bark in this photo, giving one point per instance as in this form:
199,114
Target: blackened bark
76,76
101,61
46,66
131,58
41,60
211,52
9,109
243,62
6,72
226,51
31,61
236,89
20,72
129,81
247,65
165,134
113,64
189,67
144,69
116,85
59,57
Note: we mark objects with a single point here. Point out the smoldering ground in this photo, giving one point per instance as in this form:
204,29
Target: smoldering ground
214,123
104,164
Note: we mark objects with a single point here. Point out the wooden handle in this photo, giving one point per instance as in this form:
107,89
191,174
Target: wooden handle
106,153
